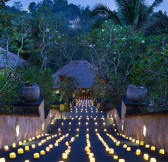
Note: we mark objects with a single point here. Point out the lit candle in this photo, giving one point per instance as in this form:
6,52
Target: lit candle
47,149
91,155
118,143
33,146
115,157
26,161
6,147
124,146
14,145
12,155
128,149
27,148
121,160
147,146
36,155
138,152
2,159
152,148
42,152
20,151
64,156
50,146
161,151
141,143
111,151
146,156
92,159
152,160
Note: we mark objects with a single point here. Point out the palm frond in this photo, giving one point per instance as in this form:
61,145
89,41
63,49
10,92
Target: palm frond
105,13
155,4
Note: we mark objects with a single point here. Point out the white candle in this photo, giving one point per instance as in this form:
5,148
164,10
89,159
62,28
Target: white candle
146,156
138,152
152,160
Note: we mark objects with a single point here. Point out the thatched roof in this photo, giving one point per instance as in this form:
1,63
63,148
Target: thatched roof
9,59
83,71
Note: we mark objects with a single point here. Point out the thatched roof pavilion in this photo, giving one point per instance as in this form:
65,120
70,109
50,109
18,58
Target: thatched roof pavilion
83,71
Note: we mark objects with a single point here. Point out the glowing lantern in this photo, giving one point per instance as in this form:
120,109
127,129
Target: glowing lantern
27,148
20,151
36,155
12,155
138,152
161,151
146,156
42,152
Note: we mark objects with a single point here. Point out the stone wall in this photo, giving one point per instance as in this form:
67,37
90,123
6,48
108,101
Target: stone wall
151,128
15,128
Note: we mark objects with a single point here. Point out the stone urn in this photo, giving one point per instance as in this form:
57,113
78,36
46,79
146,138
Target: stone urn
136,93
29,92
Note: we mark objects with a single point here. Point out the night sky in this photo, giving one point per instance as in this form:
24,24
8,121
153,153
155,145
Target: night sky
91,3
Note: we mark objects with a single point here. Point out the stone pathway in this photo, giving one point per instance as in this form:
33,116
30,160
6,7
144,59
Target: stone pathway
84,135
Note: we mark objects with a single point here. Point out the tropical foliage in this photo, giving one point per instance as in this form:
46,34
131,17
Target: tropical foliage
134,13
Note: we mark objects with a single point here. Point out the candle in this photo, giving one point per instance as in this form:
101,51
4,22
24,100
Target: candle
121,160
2,159
91,155
128,149
115,157
146,156
111,151
42,152
6,147
27,148
47,149
20,151
161,151
92,159
118,143
124,146
141,143
152,160
14,145
12,155
152,148
36,155
138,152
64,156
26,161
33,146
50,146
147,146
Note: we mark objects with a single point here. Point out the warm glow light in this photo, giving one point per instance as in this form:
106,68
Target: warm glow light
42,152
115,157
6,147
2,159
153,148
138,152
146,156
36,155
152,160
12,155
20,151
161,151
144,131
17,130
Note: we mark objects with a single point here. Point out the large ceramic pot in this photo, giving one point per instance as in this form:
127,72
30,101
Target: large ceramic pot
30,93
136,93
